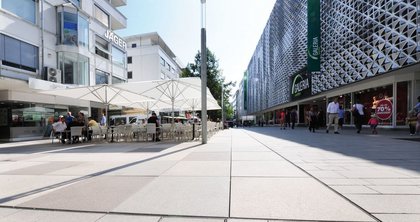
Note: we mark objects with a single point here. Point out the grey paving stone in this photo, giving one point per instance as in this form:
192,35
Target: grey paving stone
388,203
7,211
396,189
266,168
11,185
354,189
86,168
345,181
321,174
192,196
290,198
128,218
5,167
207,156
245,220
96,194
393,181
149,168
398,217
185,219
200,168
256,156
42,168
51,216
372,173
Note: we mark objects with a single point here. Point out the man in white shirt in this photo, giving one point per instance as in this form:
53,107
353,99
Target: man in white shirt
60,127
332,113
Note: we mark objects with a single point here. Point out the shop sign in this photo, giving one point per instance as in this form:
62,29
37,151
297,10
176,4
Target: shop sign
384,109
301,86
313,36
114,38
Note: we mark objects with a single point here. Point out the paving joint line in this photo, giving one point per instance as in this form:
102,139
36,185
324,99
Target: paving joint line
230,174
312,176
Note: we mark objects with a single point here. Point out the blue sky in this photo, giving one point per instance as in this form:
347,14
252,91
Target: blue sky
233,28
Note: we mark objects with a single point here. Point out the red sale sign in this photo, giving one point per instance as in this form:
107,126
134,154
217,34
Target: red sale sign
384,109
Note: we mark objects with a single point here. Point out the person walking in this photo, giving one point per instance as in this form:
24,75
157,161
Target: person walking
373,123
341,113
358,115
288,118
313,120
412,121
293,117
103,119
332,112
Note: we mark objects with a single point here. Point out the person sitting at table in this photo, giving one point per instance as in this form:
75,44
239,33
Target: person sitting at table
91,123
154,119
59,128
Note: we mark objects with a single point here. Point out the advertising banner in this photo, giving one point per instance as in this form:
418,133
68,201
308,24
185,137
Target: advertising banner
314,34
384,109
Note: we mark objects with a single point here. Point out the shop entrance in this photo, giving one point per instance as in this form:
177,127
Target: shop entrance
318,105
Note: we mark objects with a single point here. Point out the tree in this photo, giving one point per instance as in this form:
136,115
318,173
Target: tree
215,82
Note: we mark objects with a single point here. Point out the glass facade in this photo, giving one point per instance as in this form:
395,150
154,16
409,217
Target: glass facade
101,16
118,56
117,80
101,47
101,77
25,9
19,54
74,68
73,29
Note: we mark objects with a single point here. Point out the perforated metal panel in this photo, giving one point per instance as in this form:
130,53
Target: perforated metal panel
359,39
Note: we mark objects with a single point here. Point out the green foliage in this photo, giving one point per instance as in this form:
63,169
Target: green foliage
215,82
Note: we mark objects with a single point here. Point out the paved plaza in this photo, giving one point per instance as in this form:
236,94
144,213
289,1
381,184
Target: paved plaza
241,175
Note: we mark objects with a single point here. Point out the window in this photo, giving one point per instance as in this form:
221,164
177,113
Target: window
162,75
101,47
130,75
25,9
76,2
1,47
101,77
74,28
75,68
129,60
117,80
162,61
118,56
83,26
101,16
70,29
134,45
19,54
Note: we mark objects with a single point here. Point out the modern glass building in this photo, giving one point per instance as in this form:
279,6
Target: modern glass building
365,49
47,44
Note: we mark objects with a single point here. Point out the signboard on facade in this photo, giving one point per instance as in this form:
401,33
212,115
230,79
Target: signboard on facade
314,34
300,86
384,109
114,38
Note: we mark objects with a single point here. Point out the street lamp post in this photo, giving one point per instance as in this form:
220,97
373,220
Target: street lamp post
203,74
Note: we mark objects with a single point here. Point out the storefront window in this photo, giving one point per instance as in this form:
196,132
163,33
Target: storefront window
118,57
25,9
377,101
345,103
402,102
75,68
101,77
30,115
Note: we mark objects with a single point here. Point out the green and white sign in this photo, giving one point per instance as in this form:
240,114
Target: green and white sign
314,37
300,86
